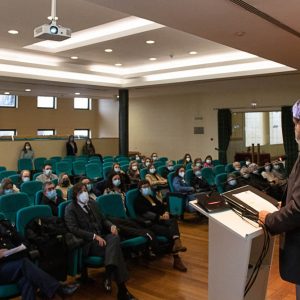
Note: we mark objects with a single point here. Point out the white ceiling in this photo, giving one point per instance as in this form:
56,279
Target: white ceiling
213,28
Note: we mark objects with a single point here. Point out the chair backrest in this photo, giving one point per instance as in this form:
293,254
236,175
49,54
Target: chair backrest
5,174
62,207
10,204
2,168
64,167
158,164
161,170
35,175
108,157
177,166
112,205
143,173
179,162
56,158
93,171
219,169
229,168
106,171
188,166
208,175
170,181
15,178
107,164
124,167
30,188
94,157
216,162
26,214
39,196
163,159
131,195
25,164
188,176
39,163
79,167
220,181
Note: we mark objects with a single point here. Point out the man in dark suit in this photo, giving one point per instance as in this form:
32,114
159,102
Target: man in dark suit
51,198
84,220
286,221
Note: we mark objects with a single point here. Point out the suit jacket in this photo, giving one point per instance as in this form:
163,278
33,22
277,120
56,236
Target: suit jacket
287,221
53,204
85,225
70,149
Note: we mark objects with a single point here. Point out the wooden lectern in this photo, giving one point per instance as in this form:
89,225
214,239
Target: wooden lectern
234,246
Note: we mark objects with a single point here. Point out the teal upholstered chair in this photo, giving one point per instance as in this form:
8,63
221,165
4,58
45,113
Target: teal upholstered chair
208,175
79,167
106,171
25,164
5,174
143,173
220,181
188,176
39,163
15,178
39,195
30,188
93,171
64,167
2,168
219,169
11,203
229,168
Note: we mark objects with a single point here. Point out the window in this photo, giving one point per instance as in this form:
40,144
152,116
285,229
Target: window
8,132
81,133
46,102
255,128
275,127
46,132
82,103
8,101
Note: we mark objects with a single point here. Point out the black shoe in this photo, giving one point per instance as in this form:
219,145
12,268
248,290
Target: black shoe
67,290
126,296
107,285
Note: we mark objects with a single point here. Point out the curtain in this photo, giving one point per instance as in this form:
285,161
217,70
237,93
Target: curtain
290,145
224,133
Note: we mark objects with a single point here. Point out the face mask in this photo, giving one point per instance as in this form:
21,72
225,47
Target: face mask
89,187
198,173
117,170
146,191
48,172
154,157
198,164
276,167
134,168
232,182
208,161
237,169
25,179
8,191
267,168
83,198
88,143
188,159
170,168
65,183
181,174
27,147
255,172
246,176
137,158
116,182
248,163
152,170
147,163
51,194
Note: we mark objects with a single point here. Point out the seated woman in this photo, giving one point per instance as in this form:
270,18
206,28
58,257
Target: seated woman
180,186
7,187
27,151
199,184
146,162
154,156
208,162
186,159
198,162
149,208
134,173
64,184
157,182
115,186
116,169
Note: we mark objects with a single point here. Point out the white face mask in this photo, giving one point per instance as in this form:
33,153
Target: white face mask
154,157
27,147
188,159
248,163
276,167
117,170
208,161
181,174
48,172
134,168
152,170
147,163
83,198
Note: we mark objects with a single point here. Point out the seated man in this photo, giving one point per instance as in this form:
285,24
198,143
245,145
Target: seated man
233,182
198,182
47,174
51,198
167,169
24,177
85,221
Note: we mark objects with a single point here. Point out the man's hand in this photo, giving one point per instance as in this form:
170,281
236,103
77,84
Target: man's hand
262,216
100,241
2,251
114,230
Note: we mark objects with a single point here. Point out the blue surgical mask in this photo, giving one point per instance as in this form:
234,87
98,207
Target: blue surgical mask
171,168
198,173
116,182
276,167
48,172
117,170
8,191
26,179
51,194
83,198
232,182
267,168
146,191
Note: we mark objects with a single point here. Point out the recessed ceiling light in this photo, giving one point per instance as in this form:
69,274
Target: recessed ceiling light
118,65
152,58
27,90
150,42
6,93
77,93
193,52
74,57
13,31
108,50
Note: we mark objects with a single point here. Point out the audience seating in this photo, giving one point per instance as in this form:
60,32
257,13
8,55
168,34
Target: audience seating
25,164
15,178
216,162
208,175
35,175
79,167
143,173
106,171
30,188
39,163
220,181
5,174
160,170
219,169
11,203
39,195
64,167
2,168
93,171
229,168
188,176
176,201
163,160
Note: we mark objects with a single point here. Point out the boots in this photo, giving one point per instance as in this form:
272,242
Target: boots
178,264
178,247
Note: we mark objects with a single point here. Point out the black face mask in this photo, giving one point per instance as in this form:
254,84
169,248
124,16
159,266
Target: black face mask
65,183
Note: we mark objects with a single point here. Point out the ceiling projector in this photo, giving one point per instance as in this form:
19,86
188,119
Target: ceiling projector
52,32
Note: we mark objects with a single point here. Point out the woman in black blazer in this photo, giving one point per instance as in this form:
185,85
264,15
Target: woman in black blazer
71,146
